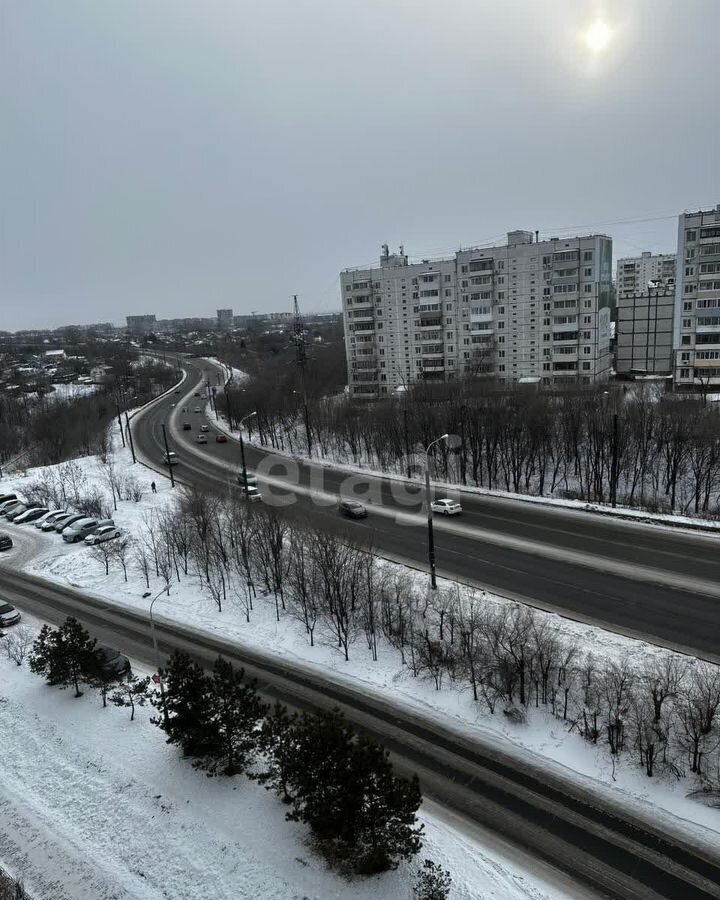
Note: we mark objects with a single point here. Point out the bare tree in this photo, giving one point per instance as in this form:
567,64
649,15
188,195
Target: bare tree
18,644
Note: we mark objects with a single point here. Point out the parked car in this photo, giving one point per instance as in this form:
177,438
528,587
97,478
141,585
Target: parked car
79,530
220,438
9,506
31,515
5,541
252,494
103,533
446,507
112,662
52,523
6,498
15,511
170,459
70,520
353,510
8,614
250,479
201,438
197,393
187,426
49,516
205,427
177,390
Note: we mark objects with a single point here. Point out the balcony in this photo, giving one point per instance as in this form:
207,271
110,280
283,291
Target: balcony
482,330
433,363
364,326
431,323
560,327
559,357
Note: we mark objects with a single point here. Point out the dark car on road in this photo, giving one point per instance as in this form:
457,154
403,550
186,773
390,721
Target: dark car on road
186,426
353,510
5,542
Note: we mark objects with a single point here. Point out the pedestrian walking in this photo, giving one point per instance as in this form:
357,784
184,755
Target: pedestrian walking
153,488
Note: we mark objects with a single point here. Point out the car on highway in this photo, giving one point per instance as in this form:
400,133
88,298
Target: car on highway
220,438
103,533
446,507
15,511
205,427
79,530
32,514
252,494
201,438
197,409
170,459
112,663
352,509
8,614
49,516
5,541
187,426
177,390
197,393
250,479
66,522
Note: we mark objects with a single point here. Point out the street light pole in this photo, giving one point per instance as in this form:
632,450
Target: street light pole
242,452
157,656
428,501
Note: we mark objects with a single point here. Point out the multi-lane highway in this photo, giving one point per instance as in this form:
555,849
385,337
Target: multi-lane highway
640,579
551,557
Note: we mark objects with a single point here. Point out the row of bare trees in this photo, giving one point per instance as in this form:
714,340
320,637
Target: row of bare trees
660,711
660,451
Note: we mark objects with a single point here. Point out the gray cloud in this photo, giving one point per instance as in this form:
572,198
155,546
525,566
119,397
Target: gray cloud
172,157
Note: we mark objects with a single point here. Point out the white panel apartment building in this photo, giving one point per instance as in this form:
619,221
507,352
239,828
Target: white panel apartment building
696,339
520,310
636,273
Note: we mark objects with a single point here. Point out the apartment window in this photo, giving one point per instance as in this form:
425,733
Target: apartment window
685,357
685,341
588,288
586,366
587,351
684,373
689,288
687,323
501,310
588,256
448,292
466,355
501,324
587,304
687,305
501,339
586,335
448,277
588,272
501,368
546,292
587,320
463,269
448,307
691,235
464,284
501,354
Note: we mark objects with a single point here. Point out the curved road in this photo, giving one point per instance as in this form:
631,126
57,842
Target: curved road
646,581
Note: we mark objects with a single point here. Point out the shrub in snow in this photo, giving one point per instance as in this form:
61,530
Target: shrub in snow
432,882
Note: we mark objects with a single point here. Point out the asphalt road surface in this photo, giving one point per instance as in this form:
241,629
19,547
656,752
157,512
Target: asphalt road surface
591,838
638,579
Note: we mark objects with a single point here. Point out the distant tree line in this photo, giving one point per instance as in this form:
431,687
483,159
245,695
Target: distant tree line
48,430
659,451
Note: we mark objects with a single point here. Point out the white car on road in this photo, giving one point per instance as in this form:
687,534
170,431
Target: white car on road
446,507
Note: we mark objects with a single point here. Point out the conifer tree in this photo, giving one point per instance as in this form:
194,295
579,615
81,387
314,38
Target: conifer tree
188,704
133,692
63,655
235,714
278,741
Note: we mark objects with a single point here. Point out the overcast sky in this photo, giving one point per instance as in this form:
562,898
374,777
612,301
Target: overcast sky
175,156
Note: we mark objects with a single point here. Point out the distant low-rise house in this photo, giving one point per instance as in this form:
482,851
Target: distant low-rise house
54,355
101,374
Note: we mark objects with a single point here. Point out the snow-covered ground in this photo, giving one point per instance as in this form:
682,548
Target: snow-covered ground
234,374
71,391
95,807
543,737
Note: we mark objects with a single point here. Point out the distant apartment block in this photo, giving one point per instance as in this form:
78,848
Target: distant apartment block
225,319
645,331
520,310
141,324
696,340
636,273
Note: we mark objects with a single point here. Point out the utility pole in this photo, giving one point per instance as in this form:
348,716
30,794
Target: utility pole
407,439
129,434
301,359
614,471
167,456
122,433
